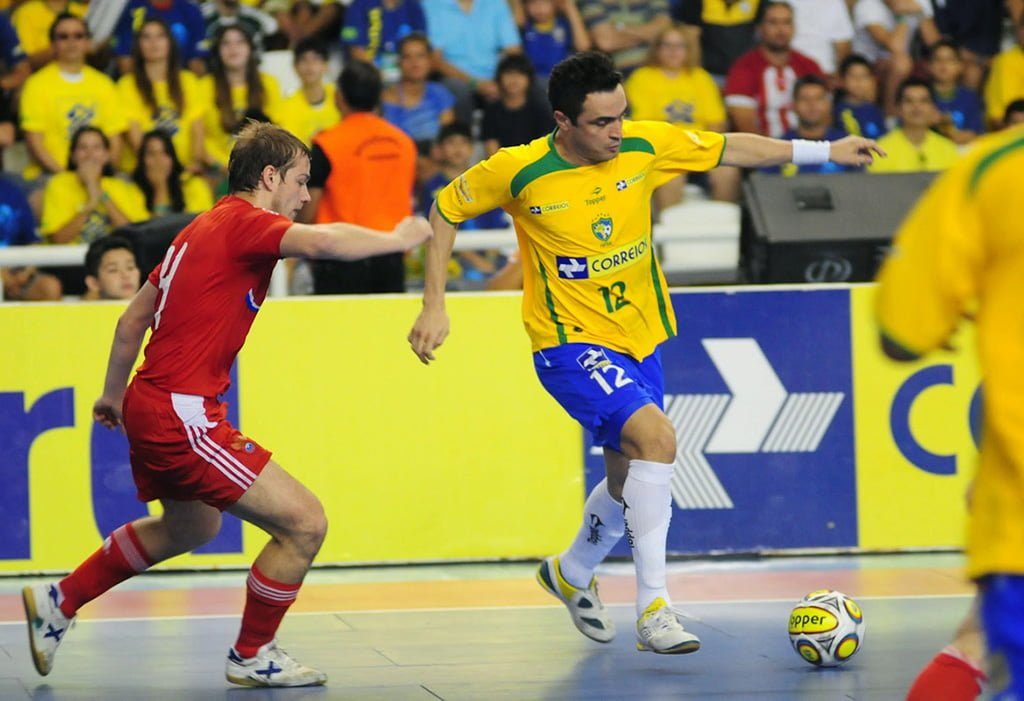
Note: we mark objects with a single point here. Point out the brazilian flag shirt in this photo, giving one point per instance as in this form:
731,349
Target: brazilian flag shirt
590,274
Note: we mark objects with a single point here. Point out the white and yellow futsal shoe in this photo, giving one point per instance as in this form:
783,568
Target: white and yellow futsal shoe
585,608
271,666
47,624
659,630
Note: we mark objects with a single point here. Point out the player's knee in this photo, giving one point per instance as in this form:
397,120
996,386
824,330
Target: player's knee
311,529
662,446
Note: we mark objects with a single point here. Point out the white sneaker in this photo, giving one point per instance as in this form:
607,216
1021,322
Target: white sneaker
659,630
47,624
271,666
584,606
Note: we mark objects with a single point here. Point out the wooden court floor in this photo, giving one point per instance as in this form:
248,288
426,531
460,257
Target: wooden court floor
489,632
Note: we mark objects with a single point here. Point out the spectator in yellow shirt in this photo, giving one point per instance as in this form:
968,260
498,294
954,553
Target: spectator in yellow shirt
165,185
87,202
33,20
65,96
311,109
914,146
1006,79
234,90
668,88
158,94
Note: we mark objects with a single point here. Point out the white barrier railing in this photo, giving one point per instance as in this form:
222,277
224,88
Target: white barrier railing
698,225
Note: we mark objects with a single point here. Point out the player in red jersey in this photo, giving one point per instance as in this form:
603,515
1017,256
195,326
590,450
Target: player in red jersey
200,303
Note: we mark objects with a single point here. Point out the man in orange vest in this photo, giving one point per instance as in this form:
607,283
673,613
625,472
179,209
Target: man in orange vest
363,172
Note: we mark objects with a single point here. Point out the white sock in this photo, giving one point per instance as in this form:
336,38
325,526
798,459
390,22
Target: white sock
602,527
647,507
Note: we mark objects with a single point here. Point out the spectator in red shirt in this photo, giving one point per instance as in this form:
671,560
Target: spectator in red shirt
759,87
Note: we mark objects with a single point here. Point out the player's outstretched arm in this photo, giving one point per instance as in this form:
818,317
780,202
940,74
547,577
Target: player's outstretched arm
131,328
341,241
755,151
431,327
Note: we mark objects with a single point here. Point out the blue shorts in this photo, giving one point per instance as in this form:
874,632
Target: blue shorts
1002,616
599,387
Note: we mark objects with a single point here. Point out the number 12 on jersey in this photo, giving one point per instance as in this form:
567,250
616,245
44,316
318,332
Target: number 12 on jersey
614,296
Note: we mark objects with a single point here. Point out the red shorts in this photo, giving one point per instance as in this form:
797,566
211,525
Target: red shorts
183,448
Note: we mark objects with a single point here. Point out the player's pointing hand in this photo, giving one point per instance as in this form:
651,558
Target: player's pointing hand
413,231
855,151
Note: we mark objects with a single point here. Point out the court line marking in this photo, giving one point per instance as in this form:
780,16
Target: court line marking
450,609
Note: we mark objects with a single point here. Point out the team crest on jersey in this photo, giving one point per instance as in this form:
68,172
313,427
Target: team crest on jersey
602,227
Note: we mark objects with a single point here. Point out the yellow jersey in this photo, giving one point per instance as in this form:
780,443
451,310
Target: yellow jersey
218,141
590,274
57,108
688,99
166,117
935,153
32,21
962,247
306,120
65,195
1005,83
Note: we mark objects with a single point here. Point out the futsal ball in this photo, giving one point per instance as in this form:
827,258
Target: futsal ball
826,628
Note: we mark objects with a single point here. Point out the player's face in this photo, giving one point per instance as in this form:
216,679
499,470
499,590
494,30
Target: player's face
672,50
311,68
291,191
234,49
860,84
414,61
777,28
118,275
597,134
70,40
813,106
154,44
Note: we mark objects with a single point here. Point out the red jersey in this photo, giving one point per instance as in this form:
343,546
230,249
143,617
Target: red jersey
210,285
755,82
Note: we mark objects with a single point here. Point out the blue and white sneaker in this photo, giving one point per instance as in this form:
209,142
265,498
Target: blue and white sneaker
47,624
587,612
271,666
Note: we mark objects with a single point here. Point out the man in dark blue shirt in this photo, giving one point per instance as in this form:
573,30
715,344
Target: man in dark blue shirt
812,103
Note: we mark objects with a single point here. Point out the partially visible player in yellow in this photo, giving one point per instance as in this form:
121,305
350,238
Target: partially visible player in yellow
962,248
596,307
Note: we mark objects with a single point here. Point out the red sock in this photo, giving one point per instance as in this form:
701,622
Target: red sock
949,676
266,602
121,556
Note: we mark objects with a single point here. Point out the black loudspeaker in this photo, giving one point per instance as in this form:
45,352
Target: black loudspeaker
823,228
150,239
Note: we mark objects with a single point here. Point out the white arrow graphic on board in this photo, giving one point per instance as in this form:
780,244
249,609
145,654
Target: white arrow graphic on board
760,416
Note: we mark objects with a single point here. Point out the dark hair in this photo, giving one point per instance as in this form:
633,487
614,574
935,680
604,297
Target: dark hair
142,81
360,85
776,3
515,63
140,177
414,37
100,247
108,169
63,16
943,43
576,77
229,122
914,83
259,145
854,60
454,129
311,44
1013,108
809,79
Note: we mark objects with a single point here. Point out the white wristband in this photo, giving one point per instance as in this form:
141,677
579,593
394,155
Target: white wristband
811,153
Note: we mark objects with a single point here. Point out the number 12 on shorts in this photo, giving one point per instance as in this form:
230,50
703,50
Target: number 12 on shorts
606,374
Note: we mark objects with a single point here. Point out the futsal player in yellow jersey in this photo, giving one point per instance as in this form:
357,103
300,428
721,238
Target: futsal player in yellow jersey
596,307
961,247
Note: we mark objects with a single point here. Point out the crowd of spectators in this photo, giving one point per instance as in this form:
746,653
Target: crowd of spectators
114,112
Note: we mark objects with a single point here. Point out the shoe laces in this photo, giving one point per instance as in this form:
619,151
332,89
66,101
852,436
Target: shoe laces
282,657
664,619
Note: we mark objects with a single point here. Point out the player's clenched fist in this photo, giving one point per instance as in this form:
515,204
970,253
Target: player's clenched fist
429,332
413,231
107,412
